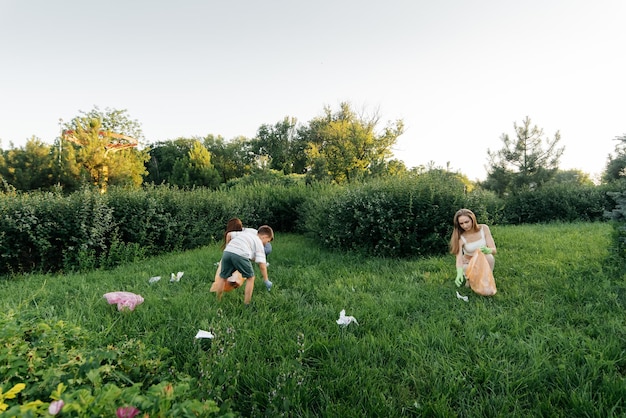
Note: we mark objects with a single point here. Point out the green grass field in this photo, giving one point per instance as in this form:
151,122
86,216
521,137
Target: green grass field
551,342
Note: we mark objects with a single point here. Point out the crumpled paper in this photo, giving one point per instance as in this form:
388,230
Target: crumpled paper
124,300
154,279
345,320
460,296
176,277
204,334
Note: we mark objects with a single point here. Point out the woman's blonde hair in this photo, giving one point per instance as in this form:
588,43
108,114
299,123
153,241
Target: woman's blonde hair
458,231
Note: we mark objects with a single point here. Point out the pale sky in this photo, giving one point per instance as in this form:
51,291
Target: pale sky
458,72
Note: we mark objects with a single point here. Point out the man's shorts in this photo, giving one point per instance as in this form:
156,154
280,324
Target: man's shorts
233,262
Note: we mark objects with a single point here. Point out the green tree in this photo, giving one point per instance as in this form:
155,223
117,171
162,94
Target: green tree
275,142
108,157
30,167
232,159
163,158
114,120
196,170
523,163
616,164
68,173
573,177
344,146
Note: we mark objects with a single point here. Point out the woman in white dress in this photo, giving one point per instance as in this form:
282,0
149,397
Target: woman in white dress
468,237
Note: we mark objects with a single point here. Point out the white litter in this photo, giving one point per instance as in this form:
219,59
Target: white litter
460,296
176,277
345,320
204,334
154,279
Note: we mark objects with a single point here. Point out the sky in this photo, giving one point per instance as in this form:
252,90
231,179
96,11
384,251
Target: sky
458,73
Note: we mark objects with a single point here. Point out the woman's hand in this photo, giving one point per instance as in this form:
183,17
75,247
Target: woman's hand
459,276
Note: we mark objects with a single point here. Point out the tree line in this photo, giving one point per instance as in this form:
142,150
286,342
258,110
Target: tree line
339,146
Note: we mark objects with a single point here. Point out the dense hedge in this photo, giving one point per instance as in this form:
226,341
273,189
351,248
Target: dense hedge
618,216
52,232
558,202
397,217
394,218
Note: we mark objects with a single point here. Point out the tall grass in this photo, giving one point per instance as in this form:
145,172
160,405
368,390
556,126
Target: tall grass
551,342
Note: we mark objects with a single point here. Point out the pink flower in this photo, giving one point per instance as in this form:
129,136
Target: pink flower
127,412
55,407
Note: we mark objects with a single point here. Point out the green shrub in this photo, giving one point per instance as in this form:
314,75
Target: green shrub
51,361
394,217
618,217
488,207
48,232
556,202
275,205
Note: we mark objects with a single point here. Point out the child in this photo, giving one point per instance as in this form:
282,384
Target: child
240,250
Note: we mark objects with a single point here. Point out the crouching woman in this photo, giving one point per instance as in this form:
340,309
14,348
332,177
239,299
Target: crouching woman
468,237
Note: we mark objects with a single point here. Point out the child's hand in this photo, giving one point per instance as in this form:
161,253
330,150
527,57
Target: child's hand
268,285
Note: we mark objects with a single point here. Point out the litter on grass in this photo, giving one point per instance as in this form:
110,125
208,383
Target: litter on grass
345,320
460,296
204,334
124,300
176,277
154,279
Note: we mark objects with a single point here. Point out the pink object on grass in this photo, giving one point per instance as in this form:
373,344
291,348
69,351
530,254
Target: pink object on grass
127,412
123,300
55,407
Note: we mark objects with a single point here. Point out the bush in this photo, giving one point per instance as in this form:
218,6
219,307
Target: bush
392,217
618,216
278,206
488,207
50,232
405,216
556,202
46,361
47,231
163,218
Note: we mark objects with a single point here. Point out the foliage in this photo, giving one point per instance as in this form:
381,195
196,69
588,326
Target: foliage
399,216
47,232
393,217
267,177
47,361
29,168
343,146
182,163
112,120
523,163
195,169
616,165
618,216
557,202
488,207
232,159
548,344
279,143
572,177
163,157
105,165
87,229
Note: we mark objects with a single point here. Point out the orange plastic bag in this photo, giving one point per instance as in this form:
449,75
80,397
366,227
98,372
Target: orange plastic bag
228,286
480,276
